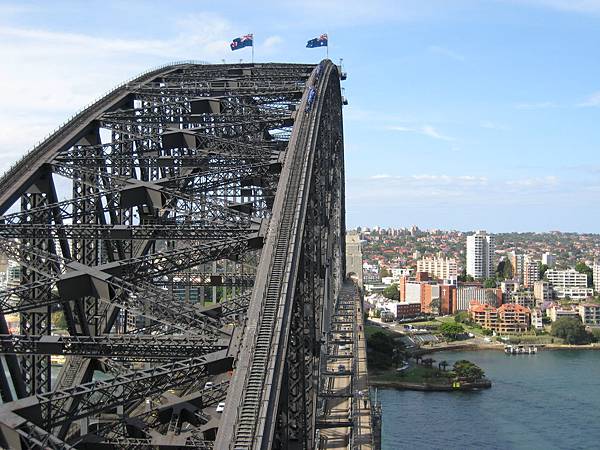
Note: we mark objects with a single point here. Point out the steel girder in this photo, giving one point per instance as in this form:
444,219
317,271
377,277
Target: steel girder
127,346
177,179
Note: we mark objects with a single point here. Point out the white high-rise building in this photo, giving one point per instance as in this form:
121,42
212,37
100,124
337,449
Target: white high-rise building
566,278
569,283
480,255
549,259
597,276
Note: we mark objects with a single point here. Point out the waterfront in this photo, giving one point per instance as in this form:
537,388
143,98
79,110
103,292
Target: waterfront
546,401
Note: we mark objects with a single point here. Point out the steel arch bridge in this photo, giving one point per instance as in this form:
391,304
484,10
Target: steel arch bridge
186,234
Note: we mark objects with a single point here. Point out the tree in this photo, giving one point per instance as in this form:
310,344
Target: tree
490,283
381,349
451,330
582,267
464,277
504,270
543,269
462,317
443,365
384,272
467,370
391,292
571,330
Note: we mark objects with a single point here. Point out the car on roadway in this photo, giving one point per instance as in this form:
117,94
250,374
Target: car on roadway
208,384
221,407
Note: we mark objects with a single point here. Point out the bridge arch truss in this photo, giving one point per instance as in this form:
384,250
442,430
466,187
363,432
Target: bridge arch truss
179,245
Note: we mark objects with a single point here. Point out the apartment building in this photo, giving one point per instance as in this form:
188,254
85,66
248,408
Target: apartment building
523,298
508,318
542,291
531,271
589,313
466,294
440,268
569,283
556,312
549,260
517,261
480,255
566,278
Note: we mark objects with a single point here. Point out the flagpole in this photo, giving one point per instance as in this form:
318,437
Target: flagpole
327,46
253,48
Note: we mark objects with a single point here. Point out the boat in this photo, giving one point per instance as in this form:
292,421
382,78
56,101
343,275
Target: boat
520,349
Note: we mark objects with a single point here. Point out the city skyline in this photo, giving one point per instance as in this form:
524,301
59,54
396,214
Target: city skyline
472,115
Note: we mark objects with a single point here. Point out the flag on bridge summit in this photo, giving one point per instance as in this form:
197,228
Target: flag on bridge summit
241,42
321,41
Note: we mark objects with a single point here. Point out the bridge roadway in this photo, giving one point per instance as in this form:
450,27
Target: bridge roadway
346,419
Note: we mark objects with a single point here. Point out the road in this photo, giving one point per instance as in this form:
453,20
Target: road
346,423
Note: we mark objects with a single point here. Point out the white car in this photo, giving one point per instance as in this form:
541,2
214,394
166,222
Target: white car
208,385
221,407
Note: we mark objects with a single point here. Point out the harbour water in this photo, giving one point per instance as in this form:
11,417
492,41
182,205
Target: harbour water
550,400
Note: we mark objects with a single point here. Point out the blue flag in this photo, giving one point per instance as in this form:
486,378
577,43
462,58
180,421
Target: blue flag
241,42
321,41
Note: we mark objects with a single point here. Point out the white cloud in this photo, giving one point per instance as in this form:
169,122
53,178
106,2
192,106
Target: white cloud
493,125
538,105
446,52
271,43
430,179
424,130
534,182
592,101
419,189
52,75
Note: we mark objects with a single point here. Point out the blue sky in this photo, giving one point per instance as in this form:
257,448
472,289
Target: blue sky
463,114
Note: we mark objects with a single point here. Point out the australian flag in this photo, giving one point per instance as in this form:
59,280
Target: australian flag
321,41
241,42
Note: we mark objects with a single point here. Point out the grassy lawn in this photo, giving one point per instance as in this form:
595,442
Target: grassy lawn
470,329
370,329
414,374
532,339
428,323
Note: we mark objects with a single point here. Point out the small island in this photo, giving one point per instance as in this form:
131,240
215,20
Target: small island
391,366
